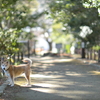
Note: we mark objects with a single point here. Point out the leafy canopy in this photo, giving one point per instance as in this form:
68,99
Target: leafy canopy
14,16
75,14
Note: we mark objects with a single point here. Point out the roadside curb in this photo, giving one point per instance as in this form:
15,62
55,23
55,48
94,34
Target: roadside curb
2,87
85,61
95,65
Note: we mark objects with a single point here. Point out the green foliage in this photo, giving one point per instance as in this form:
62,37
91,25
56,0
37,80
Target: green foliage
68,48
59,36
8,41
75,14
96,47
14,16
92,3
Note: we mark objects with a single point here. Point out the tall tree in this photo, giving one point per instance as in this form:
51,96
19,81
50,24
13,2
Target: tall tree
74,14
14,16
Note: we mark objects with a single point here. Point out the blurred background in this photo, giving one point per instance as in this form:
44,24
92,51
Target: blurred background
50,27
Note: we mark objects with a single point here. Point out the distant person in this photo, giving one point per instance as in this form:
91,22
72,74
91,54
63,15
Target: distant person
72,49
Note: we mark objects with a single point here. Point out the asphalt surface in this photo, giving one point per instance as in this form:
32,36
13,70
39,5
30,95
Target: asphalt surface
57,78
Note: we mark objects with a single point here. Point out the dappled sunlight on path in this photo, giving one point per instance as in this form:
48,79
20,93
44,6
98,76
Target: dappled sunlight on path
62,78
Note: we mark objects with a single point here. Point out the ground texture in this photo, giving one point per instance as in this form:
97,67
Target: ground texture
57,78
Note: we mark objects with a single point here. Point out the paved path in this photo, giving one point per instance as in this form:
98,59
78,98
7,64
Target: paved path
58,79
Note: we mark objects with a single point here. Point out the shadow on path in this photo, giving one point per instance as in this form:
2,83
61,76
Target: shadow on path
58,79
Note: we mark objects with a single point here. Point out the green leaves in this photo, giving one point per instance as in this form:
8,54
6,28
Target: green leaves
75,14
91,3
14,16
8,40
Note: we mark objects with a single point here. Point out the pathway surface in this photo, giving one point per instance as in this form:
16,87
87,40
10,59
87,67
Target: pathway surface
57,79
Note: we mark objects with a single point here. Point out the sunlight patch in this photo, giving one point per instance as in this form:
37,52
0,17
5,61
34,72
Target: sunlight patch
40,76
44,85
43,90
74,74
95,72
57,60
